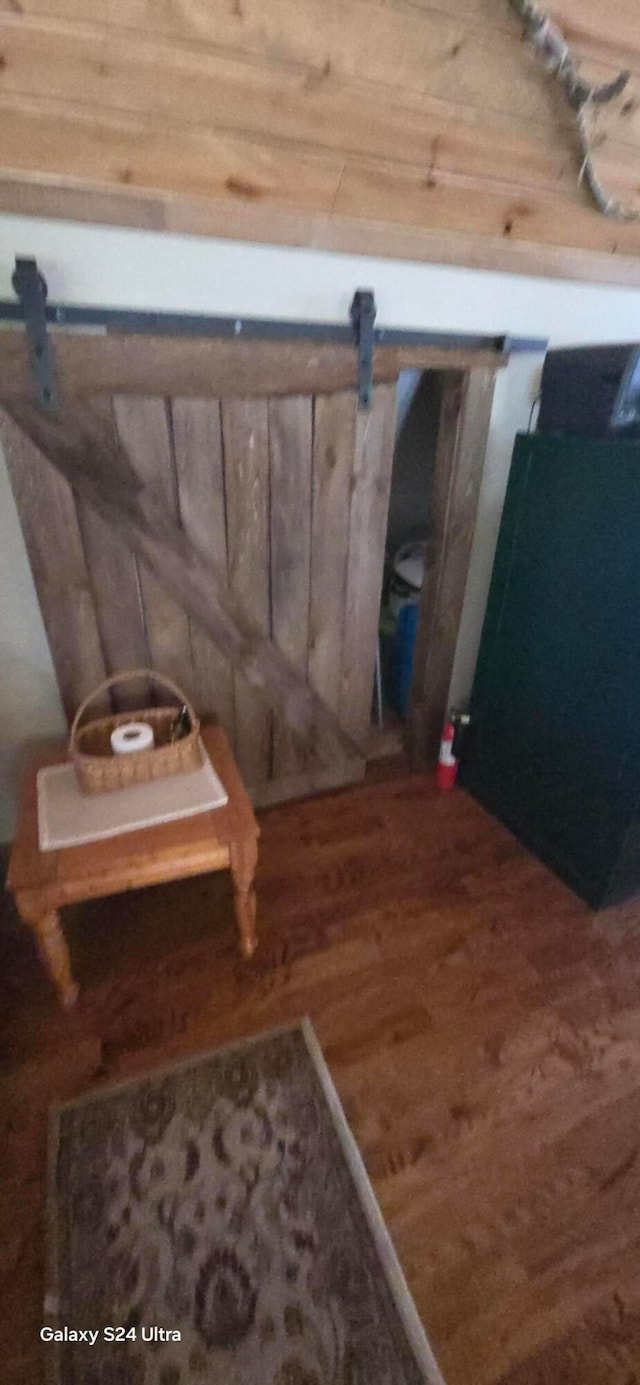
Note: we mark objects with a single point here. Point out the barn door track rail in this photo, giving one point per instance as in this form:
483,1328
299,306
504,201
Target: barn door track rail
33,310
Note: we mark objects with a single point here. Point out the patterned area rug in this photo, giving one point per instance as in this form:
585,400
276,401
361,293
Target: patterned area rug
214,1225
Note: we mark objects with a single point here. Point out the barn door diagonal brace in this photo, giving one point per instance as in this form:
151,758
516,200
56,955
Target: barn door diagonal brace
363,316
31,290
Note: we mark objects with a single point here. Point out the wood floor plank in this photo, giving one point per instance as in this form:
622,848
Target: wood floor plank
482,1028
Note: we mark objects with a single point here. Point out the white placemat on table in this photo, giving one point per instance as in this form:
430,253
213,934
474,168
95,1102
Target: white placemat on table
68,817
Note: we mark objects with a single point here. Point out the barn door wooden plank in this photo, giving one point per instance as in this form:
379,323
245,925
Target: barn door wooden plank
115,582
334,431
373,460
315,778
126,363
290,432
46,507
116,591
245,431
143,431
197,438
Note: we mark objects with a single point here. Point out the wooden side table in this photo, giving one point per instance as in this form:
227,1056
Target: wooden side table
43,881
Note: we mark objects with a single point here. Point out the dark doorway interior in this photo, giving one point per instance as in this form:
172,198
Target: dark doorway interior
419,401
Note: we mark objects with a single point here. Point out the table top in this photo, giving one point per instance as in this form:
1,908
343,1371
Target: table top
165,851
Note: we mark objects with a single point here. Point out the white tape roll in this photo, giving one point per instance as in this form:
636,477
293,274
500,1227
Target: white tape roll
132,735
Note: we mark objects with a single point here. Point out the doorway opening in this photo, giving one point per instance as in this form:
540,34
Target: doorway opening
419,399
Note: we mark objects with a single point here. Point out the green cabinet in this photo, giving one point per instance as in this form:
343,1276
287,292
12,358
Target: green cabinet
553,748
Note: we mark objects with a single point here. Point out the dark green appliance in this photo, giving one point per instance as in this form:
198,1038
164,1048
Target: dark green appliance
553,748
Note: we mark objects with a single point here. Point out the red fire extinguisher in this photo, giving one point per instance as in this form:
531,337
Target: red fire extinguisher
447,770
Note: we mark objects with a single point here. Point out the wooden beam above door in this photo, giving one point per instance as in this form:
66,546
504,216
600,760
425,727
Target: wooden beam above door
194,367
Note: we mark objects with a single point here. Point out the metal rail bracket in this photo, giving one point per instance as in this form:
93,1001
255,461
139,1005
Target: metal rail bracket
363,316
31,289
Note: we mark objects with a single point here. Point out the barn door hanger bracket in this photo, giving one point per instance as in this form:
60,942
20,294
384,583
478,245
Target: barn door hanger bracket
31,289
363,316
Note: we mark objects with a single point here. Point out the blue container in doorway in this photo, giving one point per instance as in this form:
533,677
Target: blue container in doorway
401,662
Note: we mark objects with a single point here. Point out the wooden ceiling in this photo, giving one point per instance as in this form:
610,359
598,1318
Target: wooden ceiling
393,127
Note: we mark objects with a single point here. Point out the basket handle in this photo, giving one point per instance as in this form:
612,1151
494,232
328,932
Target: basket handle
126,677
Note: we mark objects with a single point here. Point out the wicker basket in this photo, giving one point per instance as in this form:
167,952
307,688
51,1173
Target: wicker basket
100,771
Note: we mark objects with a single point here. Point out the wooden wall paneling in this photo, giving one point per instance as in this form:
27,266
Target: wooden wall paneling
386,128
117,150
343,114
290,451
89,364
334,435
143,432
371,482
407,48
610,35
402,195
453,503
195,22
256,221
218,181
245,432
46,508
115,584
197,438
211,168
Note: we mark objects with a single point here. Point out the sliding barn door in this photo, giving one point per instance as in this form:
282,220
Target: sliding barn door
282,500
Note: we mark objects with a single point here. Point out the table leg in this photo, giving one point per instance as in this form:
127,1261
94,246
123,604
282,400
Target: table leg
244,859
54,952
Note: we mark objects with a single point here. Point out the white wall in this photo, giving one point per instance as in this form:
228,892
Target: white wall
121,268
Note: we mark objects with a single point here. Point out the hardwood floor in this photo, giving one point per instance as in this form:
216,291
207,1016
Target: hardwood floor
482,1027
